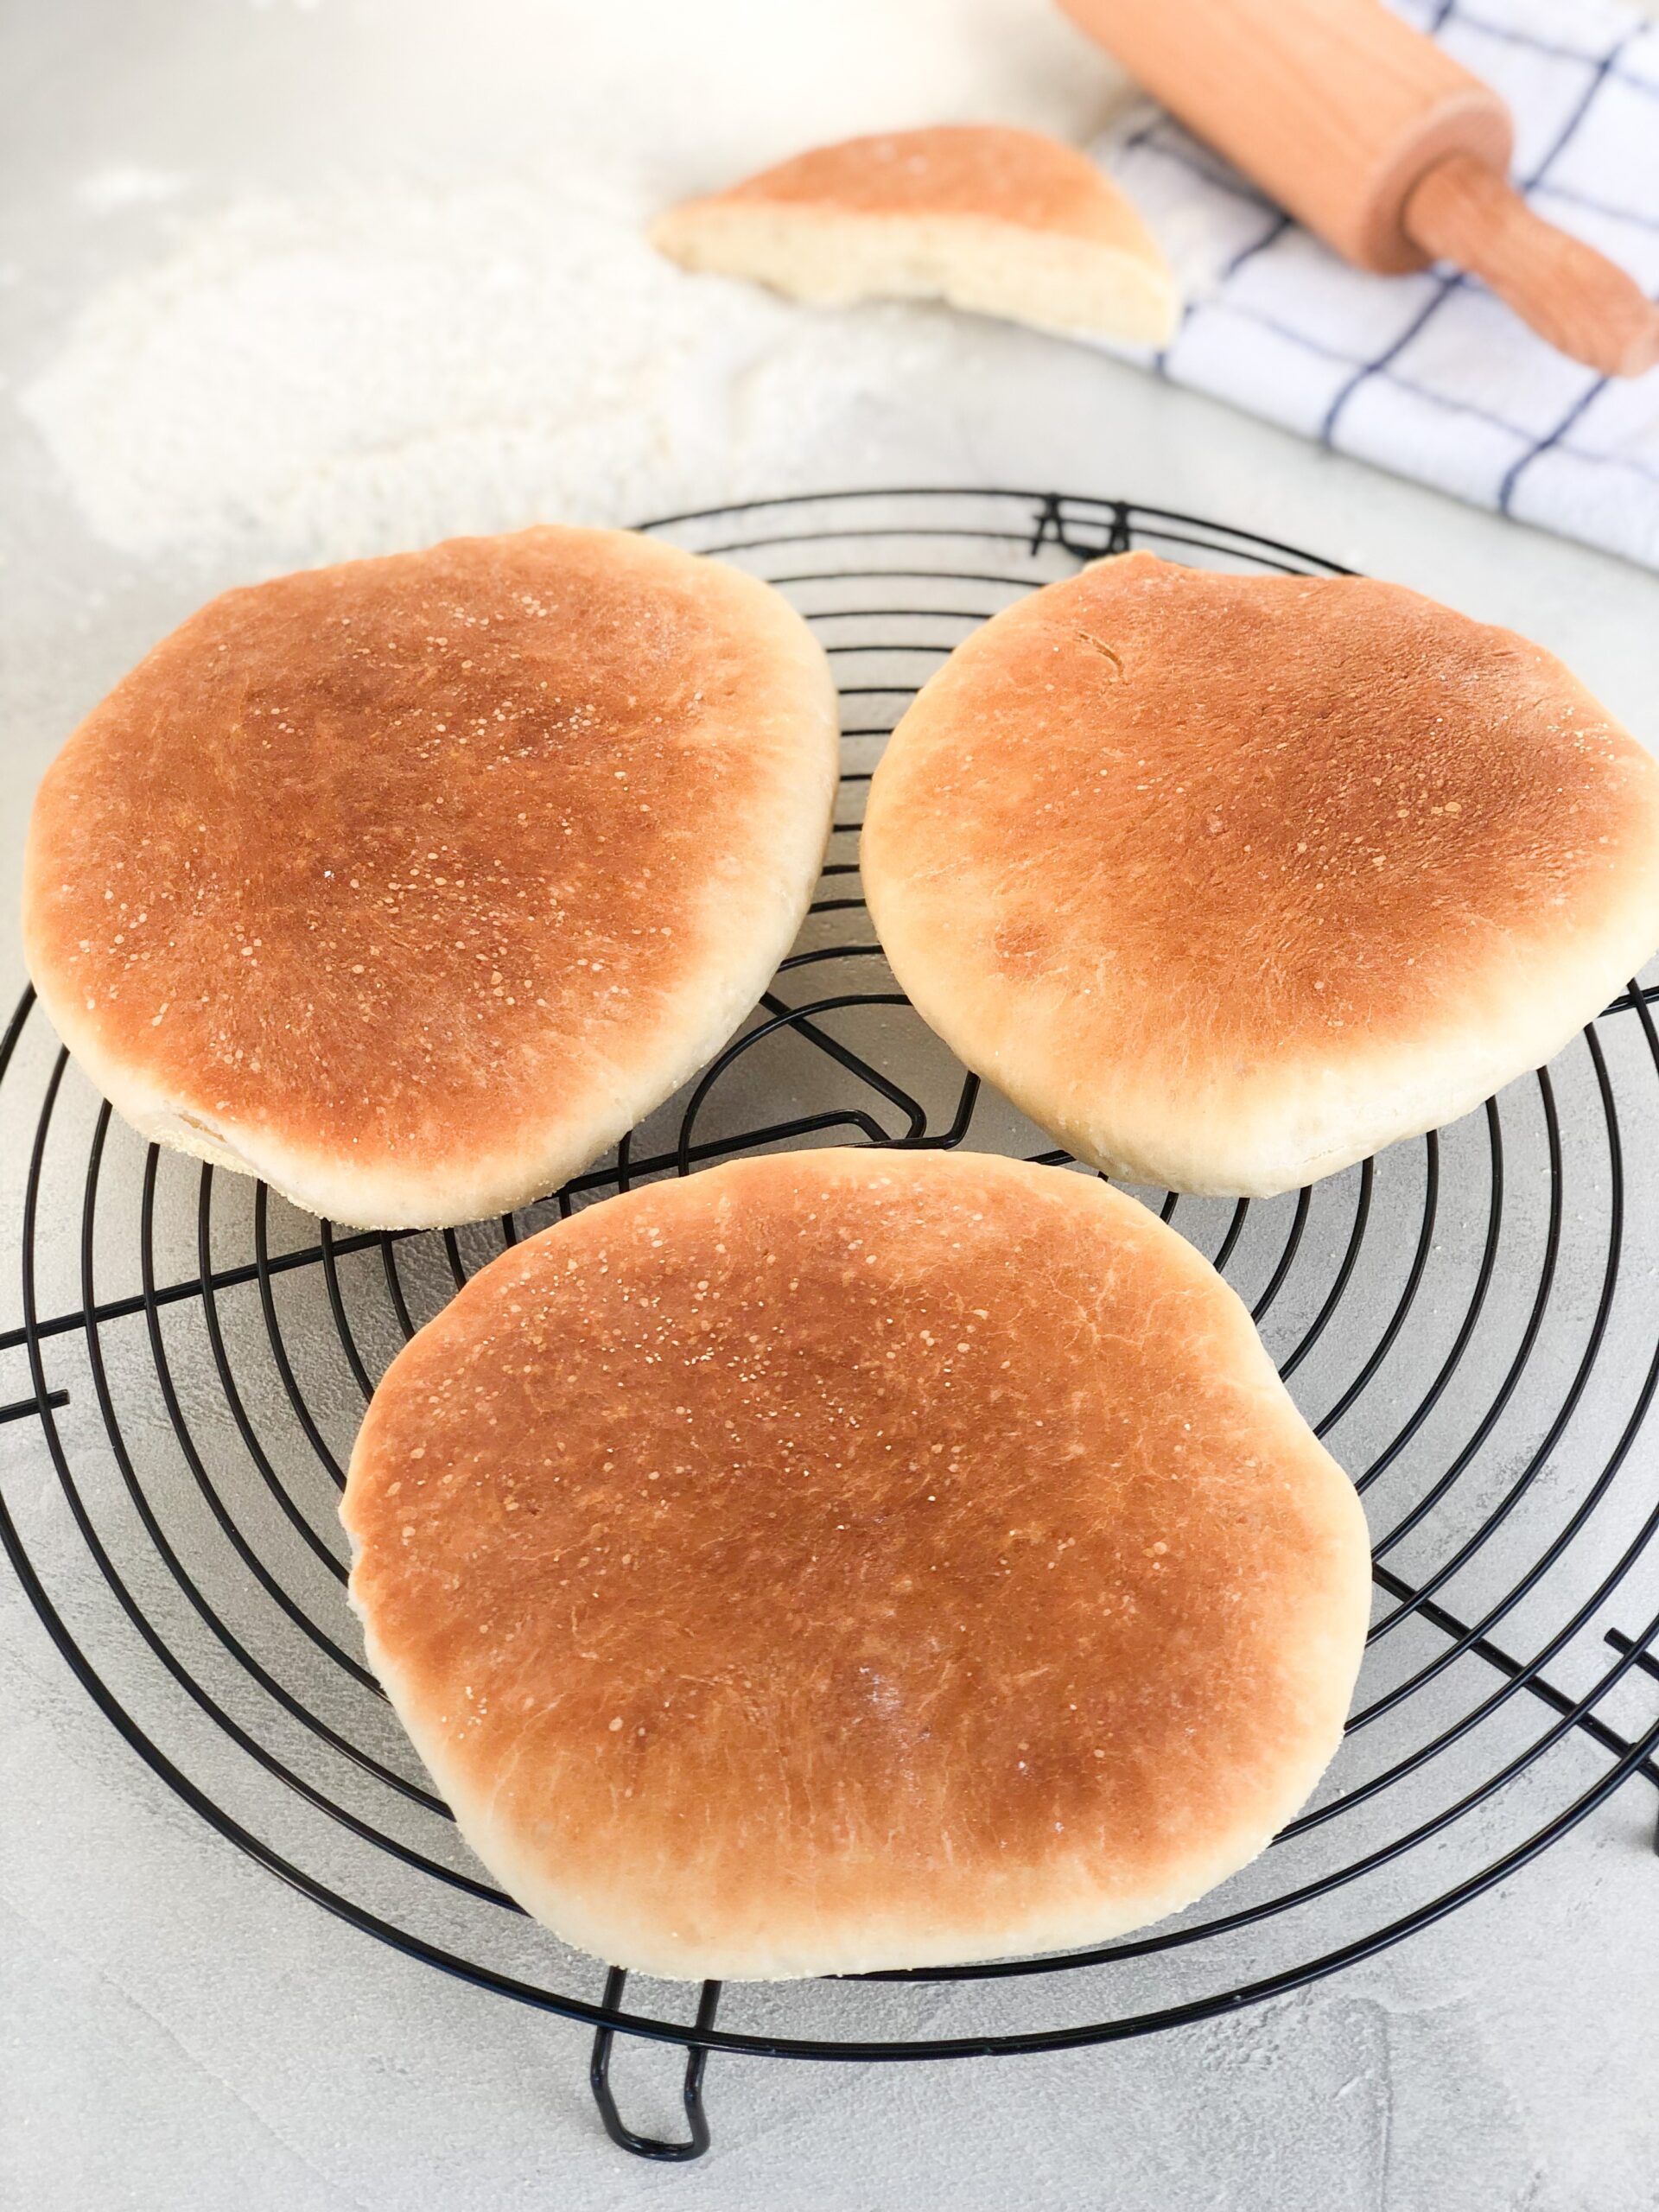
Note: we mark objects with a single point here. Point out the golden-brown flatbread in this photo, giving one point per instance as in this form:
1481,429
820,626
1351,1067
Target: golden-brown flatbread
855,1558
1008,222
1229,880
411,884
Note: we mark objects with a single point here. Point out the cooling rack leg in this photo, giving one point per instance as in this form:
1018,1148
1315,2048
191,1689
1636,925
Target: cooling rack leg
599,2076
1648,1664
1051,522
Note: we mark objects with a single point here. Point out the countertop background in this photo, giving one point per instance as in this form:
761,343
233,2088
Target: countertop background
282,282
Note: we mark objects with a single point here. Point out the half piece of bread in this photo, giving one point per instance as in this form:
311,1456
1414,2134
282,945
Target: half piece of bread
1005,222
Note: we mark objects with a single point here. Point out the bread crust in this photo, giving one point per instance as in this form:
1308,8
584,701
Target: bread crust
1230,881
844,1559
411,884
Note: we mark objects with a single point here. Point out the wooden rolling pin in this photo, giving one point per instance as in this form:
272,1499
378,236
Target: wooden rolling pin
1373,137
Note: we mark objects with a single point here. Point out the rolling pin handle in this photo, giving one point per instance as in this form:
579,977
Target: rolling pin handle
1463,212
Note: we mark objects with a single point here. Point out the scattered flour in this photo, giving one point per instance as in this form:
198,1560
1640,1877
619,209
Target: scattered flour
125,184
376,361
387,365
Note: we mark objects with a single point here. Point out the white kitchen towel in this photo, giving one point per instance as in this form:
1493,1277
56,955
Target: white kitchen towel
1429,374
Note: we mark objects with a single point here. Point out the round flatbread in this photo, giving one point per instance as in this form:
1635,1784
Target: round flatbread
411,885
850,1558
1230,881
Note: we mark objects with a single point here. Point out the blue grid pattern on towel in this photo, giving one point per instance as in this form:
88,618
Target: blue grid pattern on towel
1429,374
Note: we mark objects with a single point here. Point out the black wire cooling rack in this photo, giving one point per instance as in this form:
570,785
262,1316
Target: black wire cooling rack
1470,1320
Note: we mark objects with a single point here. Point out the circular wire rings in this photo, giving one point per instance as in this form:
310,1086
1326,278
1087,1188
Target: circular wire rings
1468,1320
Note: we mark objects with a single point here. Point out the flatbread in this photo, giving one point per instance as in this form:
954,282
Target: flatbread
411,885
1008,222
848,1560
1230,881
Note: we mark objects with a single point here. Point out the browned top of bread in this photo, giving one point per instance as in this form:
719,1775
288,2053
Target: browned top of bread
847,1559
1191,836
965,168
416,872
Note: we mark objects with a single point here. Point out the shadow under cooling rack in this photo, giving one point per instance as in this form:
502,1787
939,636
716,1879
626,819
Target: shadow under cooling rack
1470,1320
